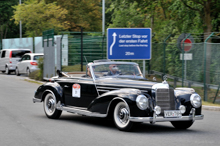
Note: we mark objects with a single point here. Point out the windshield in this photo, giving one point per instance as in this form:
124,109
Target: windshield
117,70
19,53
36,57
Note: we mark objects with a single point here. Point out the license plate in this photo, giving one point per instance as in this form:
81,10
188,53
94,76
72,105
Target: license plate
172,114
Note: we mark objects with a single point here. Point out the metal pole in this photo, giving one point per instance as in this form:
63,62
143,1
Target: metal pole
81,48
185,71
183,59
205,88
61,47
20,23
103,17
216,94
164,54
102,45
144,68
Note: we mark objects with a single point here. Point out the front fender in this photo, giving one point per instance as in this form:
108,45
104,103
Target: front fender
49,87
103,103
183,95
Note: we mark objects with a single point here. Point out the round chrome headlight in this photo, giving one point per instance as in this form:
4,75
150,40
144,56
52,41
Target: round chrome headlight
195,100
142,102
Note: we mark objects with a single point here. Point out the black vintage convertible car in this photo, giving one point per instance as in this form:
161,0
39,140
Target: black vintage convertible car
119,91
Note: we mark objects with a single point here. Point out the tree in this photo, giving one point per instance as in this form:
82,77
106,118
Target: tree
82,13
38,16
126,15
206,11
7,27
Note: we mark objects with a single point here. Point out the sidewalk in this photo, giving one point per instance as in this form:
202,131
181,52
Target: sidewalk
211,108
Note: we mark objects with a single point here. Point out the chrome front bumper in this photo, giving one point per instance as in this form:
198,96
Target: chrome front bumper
156,118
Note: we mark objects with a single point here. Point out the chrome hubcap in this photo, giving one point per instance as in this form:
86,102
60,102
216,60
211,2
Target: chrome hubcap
51,105
123,115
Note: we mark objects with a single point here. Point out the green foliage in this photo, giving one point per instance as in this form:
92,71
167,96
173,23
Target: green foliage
38,74
81,13
7,28
39,16
127,15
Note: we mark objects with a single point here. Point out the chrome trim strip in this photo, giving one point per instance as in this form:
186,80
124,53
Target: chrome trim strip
103,90
162,119
36,100
79,111
101,87
145,91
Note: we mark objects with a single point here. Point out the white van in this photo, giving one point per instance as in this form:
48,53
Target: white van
9,59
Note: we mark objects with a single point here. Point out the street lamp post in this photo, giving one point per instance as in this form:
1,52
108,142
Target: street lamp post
103,17
20,23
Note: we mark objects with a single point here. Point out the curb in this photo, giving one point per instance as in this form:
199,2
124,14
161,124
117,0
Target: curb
34,80
211,108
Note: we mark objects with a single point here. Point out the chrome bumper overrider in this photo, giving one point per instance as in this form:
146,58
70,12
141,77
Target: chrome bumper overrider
156,118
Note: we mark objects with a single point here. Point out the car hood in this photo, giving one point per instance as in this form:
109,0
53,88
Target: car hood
126,83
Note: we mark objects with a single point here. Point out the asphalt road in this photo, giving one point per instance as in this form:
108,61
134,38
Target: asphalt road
23,123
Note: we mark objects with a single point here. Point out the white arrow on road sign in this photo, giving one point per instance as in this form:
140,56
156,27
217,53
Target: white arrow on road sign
114,39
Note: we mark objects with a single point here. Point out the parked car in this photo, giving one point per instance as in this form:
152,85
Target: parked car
28,63
9,58
119,90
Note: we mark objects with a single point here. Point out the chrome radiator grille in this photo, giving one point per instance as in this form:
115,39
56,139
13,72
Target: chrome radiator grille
165,99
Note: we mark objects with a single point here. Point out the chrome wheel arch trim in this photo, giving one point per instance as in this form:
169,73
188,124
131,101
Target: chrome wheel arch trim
47,91
117,98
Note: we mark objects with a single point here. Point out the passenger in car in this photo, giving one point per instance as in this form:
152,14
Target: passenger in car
113,70
88,72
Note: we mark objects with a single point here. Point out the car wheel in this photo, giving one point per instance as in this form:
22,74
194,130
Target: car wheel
28,72
182,124
17,72
7,71
50,110
121,117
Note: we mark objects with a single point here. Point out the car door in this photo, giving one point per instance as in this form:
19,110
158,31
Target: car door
80,92
26,63
2,56
21,65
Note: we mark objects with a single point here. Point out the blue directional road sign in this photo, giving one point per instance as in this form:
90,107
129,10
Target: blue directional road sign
129,43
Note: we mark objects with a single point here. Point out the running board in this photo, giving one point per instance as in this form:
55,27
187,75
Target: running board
79,111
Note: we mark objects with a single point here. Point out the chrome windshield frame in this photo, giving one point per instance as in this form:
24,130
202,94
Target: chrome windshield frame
108,63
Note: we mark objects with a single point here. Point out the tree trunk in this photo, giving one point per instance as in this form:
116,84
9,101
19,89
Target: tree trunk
207,32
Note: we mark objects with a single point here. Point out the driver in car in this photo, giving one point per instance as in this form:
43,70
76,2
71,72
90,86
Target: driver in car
113,70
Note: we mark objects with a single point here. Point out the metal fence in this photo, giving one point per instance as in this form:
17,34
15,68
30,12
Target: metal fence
204,65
